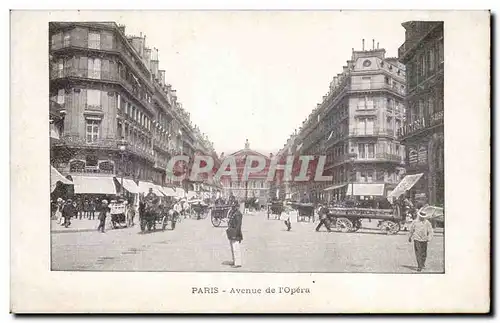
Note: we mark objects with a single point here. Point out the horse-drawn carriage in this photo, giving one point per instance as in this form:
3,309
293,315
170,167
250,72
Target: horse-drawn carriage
219,214
304,211
200,208
349,219
154,214
275,208
252,204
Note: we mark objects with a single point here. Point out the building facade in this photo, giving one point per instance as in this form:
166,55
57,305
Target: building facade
120,115
257,184
355,126
423,131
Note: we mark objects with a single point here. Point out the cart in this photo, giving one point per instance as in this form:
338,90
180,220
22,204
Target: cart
304,211
153,215
349,219
200,208
275,209
118,215
219,214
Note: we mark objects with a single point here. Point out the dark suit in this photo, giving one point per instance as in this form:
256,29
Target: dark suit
235,235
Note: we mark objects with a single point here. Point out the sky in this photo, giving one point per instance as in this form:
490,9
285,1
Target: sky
256,75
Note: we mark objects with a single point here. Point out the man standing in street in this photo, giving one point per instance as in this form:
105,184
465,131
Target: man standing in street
68,212
103,212
323,216
421,232
234,234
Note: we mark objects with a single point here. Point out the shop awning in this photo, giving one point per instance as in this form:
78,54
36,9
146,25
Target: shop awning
406,183
365,189
145,186
129,185
56,177
190,195
168,191
180,192
334,187
94,185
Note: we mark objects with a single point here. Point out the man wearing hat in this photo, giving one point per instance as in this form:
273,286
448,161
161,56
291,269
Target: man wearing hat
68,212
102,215
421,232
234,234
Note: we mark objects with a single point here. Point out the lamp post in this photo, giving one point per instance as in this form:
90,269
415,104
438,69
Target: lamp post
122,146
352,176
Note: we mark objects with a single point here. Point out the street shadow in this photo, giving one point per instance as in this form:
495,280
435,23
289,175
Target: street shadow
227,263
414,268
73,230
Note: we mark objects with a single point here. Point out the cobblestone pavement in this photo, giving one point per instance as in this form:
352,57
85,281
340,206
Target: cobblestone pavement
195,245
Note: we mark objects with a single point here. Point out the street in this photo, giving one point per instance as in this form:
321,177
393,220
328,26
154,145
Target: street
195,245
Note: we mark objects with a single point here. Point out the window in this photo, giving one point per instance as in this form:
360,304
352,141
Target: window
60,96
93,99
431,60
133,113
366,83
441,51
94,40
94,68
369,177
60,68
92,133
387,80
361,151
369,126
56,41
126,108
67,40
430,105
423,69
371,150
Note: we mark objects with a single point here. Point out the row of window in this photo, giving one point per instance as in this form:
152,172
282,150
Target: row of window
425,63
368,83
425,106
251,184
93,40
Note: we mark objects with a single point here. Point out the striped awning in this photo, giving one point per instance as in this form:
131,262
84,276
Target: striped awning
334,187
130,186
56,177
145,186
168,191
94,185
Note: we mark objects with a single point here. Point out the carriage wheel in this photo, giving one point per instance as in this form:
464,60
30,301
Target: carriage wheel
344,224
392,227
164,221
215,220
356,225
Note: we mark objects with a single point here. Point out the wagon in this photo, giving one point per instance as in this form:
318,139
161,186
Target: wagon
219,214
275,209
304,211
349,219
200,208
118,215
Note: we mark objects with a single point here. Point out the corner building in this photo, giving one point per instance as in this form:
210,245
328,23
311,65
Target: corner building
423,131
355,127
111,90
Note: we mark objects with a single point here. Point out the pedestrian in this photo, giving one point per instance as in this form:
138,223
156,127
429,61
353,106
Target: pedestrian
234,234
68,211
86,209
92,206
323,219
59,207
103,212
421,232
288,222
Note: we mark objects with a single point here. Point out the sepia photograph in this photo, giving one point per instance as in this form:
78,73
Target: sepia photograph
117,124
226,158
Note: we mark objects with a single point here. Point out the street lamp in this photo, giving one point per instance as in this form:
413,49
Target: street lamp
122,146
352,176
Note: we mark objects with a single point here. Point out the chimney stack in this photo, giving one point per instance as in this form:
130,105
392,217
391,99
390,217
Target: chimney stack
363,47
373,44
377,45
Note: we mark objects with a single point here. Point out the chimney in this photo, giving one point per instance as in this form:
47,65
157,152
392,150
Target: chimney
247,144
318,105
373,44
121,28
363,47
377,45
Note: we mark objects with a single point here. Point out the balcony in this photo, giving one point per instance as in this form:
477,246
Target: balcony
421,125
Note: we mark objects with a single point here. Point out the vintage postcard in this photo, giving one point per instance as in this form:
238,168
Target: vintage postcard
250,161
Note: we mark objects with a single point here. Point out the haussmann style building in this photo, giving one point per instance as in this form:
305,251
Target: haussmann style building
423,131
355,127
114,114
